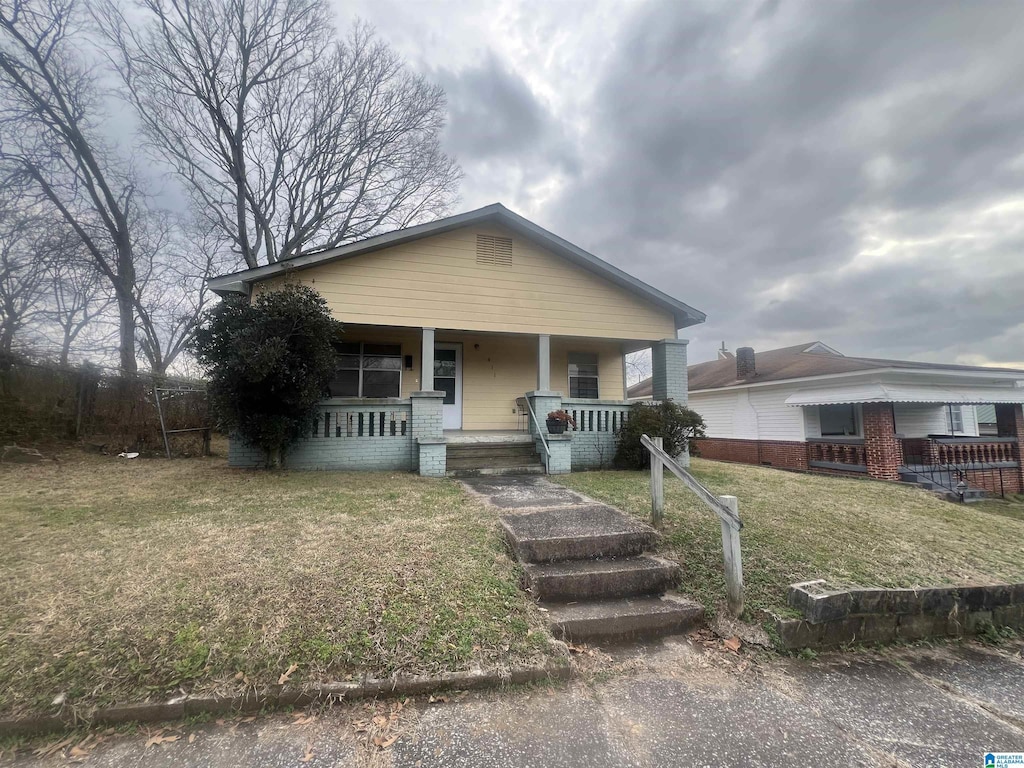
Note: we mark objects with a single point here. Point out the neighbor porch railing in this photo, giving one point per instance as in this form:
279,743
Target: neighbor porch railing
845,452
982,450
960,464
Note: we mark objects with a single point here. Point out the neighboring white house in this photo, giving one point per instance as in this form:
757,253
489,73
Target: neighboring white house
811,407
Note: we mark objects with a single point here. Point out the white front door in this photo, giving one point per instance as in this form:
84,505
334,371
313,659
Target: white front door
448,379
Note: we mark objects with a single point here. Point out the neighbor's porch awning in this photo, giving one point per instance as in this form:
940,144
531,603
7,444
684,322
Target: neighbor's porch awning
905,393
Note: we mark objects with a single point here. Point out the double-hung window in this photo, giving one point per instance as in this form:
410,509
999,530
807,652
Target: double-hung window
583,374
367,370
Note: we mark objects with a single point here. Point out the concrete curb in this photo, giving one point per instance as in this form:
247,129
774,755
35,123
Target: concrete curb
279,696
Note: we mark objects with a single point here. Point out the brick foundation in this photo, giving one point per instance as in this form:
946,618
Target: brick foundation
782,454
989,480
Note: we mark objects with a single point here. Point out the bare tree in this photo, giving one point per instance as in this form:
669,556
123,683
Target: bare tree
638,366
22,269
80,298
172,286
287,139
51,113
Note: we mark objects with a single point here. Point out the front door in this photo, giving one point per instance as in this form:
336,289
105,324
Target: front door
448,379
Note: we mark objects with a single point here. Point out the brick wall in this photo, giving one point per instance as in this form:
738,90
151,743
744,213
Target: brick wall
356,437
1010,421
881,446
593,450
989,480
355,453
784,454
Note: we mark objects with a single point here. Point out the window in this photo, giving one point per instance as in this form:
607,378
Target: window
583,374
367,370
445,369
955,418
837,420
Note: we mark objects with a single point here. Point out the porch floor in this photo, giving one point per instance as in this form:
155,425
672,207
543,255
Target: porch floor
473,436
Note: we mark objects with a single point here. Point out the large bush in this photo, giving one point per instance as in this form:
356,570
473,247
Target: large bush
677,424
269,363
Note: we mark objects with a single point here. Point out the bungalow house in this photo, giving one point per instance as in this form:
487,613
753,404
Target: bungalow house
809,407
462,334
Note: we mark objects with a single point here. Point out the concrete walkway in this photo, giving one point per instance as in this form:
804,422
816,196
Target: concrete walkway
679,703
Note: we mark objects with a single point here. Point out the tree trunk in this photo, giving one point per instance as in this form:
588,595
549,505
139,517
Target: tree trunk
125,300
126,334
275,458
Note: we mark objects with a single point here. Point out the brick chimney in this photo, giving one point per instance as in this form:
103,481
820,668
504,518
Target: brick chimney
745,368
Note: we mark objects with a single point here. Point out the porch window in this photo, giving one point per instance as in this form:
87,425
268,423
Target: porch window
367,370
583,374
837,420
955,418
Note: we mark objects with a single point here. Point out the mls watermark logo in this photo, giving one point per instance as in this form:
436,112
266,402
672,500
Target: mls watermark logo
1004,760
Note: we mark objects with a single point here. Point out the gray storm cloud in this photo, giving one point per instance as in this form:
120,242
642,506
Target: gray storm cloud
850,171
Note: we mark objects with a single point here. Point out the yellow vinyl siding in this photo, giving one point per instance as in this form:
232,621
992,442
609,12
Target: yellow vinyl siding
493,376
498,368
437,282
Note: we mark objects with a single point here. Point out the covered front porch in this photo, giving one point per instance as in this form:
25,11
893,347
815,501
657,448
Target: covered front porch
415,398
938,445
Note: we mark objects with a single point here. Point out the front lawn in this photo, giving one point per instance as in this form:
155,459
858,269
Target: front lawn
126,578
799,527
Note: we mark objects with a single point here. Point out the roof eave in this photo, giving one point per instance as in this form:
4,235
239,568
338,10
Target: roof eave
1003,375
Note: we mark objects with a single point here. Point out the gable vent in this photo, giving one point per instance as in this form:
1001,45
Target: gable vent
494,250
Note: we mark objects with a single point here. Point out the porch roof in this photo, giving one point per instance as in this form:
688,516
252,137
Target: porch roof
905,393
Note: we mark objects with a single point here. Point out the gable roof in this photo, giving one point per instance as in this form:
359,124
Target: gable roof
241,282
810,359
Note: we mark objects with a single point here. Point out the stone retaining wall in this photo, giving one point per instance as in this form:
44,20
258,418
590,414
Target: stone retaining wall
844,616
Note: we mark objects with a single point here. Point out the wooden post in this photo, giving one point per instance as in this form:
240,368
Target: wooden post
733,561
657,484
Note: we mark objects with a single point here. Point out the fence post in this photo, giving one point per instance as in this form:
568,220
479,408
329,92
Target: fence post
733,561
657,484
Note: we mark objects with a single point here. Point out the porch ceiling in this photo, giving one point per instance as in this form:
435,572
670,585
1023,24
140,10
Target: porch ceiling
905,393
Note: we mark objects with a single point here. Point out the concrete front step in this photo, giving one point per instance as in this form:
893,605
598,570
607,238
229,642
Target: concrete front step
624,619
582,532
604,578
473,462
523,469
489,449
971,495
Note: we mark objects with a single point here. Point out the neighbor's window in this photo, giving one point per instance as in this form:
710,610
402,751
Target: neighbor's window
837,420
583,374
367,370
955,418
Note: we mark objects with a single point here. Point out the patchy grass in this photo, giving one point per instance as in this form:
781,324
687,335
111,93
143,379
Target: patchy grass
799,527
122,579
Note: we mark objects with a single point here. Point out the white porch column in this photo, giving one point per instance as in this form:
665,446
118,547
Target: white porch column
543,362
427,360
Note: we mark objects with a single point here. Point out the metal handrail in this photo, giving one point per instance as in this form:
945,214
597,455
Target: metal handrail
540,432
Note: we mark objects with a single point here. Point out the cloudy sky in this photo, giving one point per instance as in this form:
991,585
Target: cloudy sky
849,172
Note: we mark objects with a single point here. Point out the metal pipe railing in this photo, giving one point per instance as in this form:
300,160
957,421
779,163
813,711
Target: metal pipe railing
540,432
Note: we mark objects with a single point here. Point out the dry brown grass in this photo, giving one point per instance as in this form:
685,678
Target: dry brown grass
126,578
799,527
